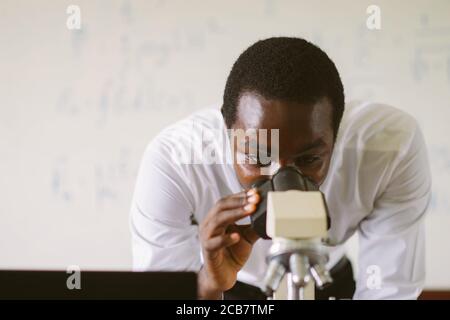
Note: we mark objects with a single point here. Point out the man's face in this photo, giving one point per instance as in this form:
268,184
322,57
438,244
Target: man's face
305,137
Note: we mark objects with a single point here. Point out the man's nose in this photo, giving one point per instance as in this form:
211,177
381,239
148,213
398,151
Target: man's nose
282,163
286,163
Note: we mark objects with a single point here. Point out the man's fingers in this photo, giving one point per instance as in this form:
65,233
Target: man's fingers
242,205
228,217
221,241
232,202
248,207
237,200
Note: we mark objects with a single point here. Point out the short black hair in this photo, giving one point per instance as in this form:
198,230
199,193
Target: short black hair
284,68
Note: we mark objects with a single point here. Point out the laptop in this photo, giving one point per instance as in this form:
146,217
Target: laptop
23,284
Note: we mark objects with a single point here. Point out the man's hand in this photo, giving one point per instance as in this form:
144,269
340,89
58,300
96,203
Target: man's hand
226,246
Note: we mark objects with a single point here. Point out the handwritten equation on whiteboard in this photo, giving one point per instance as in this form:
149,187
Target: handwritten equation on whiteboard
440,167
107,182
432,51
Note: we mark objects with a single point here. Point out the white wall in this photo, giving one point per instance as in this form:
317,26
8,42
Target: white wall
78,107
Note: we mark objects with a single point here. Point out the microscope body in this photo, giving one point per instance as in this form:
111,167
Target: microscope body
295,216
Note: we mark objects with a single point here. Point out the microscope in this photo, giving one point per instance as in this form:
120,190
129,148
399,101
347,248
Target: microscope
293,213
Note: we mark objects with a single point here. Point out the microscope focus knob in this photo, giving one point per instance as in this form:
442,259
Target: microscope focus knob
320,275
275,273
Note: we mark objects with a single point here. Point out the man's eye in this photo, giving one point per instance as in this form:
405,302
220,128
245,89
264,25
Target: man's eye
254,160
310,160
263,165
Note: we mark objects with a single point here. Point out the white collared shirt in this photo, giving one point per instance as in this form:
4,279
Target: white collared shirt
378,185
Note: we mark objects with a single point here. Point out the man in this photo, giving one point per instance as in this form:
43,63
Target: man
370,162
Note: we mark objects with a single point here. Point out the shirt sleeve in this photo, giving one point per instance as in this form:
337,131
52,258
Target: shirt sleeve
164,235
392,238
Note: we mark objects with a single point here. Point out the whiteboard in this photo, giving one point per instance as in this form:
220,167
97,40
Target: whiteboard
79,106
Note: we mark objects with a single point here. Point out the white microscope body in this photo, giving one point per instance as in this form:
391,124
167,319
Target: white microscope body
297,223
